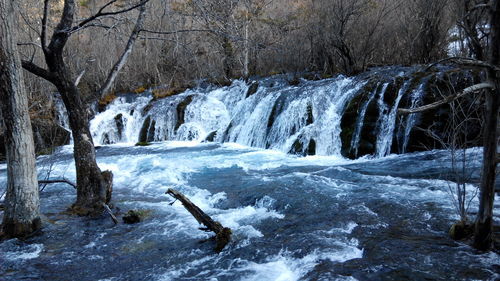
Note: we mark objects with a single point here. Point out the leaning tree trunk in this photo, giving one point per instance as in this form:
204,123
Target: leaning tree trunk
483,233
22,211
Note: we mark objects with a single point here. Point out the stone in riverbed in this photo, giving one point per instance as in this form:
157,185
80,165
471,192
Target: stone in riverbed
135,216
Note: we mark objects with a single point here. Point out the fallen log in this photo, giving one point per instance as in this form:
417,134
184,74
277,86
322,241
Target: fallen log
222,234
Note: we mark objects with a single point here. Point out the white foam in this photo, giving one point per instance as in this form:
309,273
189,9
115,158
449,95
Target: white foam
284,267
27,252
347,228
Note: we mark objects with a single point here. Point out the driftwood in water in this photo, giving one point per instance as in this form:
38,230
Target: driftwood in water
110,213
222,234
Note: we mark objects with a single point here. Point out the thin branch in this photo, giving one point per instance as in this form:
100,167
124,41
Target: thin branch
29,44
101,13
126,53
79,78
57,181
108,210
178,31
466,91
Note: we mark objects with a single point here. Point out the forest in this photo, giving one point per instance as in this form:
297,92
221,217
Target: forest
249,139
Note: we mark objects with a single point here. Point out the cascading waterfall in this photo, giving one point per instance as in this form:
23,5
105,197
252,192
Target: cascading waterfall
303,119
411,119
361,117
387,120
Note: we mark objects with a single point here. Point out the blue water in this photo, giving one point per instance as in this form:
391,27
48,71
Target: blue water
313,218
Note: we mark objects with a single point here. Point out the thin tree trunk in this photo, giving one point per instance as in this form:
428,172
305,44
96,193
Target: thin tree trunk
246,61
22,211
483,233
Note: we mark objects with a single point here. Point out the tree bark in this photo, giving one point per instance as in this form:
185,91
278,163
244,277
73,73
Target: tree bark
91,187
483,232
94,187
22,211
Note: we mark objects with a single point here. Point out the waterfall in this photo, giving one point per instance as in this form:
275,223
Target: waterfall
387,120
303,119
361,117
411,119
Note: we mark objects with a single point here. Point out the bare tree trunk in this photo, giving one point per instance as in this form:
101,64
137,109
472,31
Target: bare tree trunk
93,186
246,61
228,59
22,210
483,233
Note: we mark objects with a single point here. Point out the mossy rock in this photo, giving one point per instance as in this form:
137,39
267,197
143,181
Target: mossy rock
136,216
461,230
143,143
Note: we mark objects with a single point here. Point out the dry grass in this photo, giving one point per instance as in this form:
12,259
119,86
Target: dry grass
164,93
107,99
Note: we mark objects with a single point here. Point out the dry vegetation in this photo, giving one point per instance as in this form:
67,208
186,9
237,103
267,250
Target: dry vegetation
185,40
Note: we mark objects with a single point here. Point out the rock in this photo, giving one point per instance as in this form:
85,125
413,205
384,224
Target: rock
252,89
151,132
181,111
299,148
119,125
142,143
135,216
350,118
211,137
461,230
310,117
143,135
311,148
294,81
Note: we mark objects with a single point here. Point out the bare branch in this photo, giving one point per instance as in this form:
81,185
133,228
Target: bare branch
101,13
38,71
110,213
466,91
77,81
57,181
466,62
178,31
29,44
126,53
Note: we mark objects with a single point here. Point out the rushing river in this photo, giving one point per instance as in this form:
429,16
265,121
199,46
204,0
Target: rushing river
312,218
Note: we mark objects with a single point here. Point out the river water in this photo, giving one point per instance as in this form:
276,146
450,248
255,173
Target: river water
293,218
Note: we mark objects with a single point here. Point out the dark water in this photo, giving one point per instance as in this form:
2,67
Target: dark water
314,218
